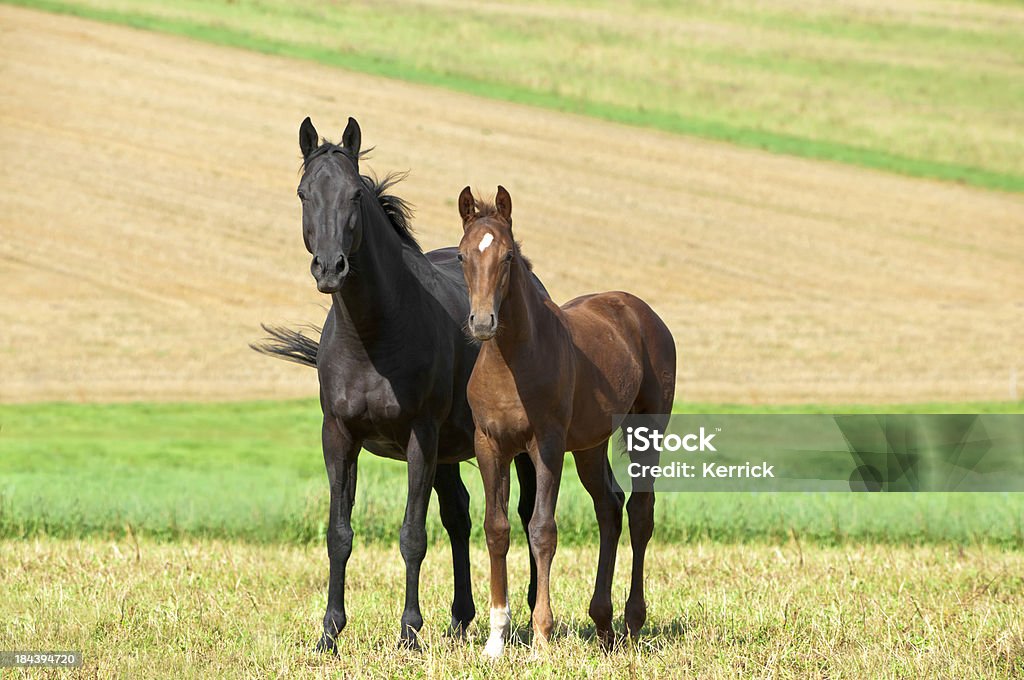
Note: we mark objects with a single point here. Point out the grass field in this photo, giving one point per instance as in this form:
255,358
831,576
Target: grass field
925,88
223,609
186,539
254,472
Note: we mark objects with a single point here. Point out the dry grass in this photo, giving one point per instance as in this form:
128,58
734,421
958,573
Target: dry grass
148,224
203,609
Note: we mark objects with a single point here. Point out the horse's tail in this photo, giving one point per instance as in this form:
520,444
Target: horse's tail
288,344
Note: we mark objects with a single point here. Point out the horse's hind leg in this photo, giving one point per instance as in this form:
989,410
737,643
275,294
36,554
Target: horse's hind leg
453,500
654,404
527,476
641,526
596,474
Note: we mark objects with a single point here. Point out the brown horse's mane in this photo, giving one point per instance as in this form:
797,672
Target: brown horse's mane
397,209
486,209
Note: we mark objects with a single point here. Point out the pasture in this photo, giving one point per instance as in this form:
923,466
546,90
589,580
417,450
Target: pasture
224,609
163,499
253,472
187,540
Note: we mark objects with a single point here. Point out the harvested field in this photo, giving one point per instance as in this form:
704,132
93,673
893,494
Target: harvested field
148,224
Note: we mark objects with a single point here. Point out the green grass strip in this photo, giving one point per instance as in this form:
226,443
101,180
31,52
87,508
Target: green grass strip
671,122
253,471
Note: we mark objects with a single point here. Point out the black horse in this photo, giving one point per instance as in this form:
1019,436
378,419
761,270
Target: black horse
393,360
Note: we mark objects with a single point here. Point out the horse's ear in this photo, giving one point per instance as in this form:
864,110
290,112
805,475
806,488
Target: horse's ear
309,140
352,138
503,202
467,206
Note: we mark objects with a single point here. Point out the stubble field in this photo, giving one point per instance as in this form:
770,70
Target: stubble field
149,224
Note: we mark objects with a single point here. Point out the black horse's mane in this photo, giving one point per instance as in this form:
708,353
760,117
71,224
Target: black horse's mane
397,209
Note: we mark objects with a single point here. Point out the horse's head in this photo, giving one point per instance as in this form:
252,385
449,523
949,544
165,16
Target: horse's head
486,252
331,192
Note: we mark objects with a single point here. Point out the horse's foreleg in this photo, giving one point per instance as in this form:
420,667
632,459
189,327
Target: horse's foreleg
547,458
422,459
527,476
495,474
453,500
340,456
596,474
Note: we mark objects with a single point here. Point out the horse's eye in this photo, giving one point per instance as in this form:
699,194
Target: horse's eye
302,195
459,257
358,196
508,257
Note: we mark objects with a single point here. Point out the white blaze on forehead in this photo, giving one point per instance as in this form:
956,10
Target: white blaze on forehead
486,241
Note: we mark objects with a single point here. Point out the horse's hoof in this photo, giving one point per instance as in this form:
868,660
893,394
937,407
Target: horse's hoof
606,638
636,616
494,648
326,645
409,643
457,629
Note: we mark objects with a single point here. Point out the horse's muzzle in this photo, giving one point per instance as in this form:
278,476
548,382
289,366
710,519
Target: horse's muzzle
483,326
329,277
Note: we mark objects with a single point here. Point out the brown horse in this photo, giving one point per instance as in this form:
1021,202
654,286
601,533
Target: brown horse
550,379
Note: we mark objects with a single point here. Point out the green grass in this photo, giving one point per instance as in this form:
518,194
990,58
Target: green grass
254,472
937,93
219,609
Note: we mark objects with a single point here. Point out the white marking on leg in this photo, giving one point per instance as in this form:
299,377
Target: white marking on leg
501,626
486,241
